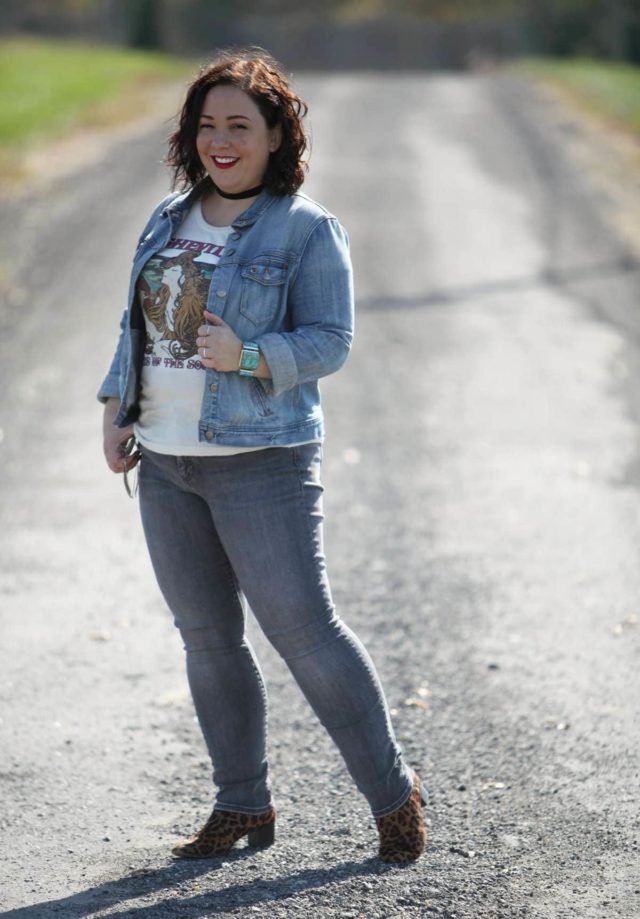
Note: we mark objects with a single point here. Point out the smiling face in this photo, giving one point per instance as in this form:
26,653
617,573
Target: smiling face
233,139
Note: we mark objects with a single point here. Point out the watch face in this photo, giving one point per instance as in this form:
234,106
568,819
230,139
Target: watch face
250,360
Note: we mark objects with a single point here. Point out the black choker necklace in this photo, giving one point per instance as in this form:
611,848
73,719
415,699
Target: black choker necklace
249,193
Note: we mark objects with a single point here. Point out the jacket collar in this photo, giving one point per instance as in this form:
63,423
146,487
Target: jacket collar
181,203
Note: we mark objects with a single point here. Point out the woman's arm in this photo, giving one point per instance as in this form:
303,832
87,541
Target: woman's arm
320,309
110,384
321,313
110,387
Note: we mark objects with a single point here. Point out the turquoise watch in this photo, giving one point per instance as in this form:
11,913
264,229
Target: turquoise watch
249,359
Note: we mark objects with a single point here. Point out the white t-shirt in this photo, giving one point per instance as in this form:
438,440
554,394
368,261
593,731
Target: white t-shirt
173,289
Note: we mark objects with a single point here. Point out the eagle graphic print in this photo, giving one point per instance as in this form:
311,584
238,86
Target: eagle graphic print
173,291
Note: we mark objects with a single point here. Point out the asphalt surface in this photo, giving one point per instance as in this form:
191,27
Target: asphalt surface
482,529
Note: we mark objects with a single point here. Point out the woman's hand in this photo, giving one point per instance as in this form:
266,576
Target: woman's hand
115,438
218,345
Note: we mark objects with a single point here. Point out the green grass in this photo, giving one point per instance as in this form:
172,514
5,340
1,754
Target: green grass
608,89
50,87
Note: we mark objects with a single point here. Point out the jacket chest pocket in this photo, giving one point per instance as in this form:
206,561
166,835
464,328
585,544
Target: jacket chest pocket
263,290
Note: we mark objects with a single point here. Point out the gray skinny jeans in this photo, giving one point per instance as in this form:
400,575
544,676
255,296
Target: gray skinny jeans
218,528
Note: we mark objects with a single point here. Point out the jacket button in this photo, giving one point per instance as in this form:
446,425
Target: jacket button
235,236
209,435
213,388
222,293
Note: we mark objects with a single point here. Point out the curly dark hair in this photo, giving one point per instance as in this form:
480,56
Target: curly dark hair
261,77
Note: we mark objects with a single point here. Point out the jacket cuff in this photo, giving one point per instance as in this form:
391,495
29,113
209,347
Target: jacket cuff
282,363
110,388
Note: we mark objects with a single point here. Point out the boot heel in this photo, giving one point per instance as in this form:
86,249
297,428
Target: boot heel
263,836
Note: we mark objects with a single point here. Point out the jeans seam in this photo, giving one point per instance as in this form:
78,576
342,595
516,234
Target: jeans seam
228,568
308,525
294,451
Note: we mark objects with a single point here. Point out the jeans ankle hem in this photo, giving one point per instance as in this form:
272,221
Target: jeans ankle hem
243,809
385,811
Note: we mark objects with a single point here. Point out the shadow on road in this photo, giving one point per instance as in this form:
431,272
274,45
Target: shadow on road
552,277
155,881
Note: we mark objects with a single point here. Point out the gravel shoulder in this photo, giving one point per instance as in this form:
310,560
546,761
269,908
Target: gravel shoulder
605,153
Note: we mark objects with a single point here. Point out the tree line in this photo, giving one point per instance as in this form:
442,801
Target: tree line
600,28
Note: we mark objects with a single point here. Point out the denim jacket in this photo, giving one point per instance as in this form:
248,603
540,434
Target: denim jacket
285,282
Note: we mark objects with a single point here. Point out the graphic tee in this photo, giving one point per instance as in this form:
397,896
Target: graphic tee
172,290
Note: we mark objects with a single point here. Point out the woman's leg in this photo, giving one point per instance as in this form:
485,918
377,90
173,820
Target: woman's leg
267,508
200,588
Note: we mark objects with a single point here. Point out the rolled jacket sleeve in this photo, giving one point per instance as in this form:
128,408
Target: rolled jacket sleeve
320,311
110,387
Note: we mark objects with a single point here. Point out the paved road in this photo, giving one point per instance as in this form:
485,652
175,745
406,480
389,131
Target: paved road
482,477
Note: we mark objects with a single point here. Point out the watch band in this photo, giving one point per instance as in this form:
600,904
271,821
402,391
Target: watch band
249,359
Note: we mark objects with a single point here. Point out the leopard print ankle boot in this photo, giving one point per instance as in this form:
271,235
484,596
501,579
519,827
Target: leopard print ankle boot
223,829
403,834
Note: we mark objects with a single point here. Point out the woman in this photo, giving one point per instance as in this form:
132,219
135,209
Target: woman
240,299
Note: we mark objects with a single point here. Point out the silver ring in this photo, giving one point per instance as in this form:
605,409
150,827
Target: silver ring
204,353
